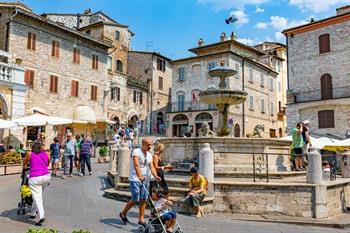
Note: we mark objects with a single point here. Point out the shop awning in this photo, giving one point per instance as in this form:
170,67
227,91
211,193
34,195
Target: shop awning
84,114
4,124
38,119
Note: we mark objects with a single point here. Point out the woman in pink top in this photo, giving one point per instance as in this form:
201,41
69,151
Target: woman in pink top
39,178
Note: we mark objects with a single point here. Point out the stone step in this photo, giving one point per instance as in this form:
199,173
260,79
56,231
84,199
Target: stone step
178,204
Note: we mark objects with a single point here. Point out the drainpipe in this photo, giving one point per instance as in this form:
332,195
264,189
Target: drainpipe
151,99
243,105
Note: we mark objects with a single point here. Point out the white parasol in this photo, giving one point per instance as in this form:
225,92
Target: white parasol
40,119
4,124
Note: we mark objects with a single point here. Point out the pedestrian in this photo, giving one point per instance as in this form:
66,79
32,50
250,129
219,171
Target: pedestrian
306,140
197,191
77,158
141,168
39,178
131,139
86,151
55,156
298,145
158,164
70,150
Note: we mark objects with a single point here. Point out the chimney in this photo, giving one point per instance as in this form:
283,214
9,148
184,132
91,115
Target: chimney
312,20
200,42
87,12
78,21
223,37
343,10
233,36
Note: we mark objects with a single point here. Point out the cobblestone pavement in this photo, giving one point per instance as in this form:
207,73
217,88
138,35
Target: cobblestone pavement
78,203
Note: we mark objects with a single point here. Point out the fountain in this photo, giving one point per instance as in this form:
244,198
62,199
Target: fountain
222,97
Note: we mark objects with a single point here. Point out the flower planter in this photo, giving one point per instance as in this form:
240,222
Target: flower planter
10,169
103,159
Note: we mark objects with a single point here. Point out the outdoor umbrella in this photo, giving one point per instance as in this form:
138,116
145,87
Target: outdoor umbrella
341,145
318,143
40,119
7,124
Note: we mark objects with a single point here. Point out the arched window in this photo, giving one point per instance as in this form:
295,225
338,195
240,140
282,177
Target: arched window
326,87
119,66
323,43
237,131
196,71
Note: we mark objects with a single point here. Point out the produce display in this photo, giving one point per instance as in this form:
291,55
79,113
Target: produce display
10,158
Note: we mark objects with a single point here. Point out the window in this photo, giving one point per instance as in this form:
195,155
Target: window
180,101
115,93
326,119
119,66
182,74
326,87
94,62
137,97
211,65
31,41
196,71
117,35
251,80
161,64
29,78
271,84
109,63
160,83
75,88
262,106
272,109
262,80
53,83
93,92
76,56
55,50
323,43
251,102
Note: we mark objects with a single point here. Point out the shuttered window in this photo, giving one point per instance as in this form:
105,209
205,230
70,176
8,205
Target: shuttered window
326,119
160,83
137,98
324,43
76,56
31,41
93,92
29,78
53,83
94,62
326,87
55,50
75,88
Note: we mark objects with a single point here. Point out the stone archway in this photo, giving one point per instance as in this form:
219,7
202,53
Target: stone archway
237,131
179,124
160,123
204,116
132,122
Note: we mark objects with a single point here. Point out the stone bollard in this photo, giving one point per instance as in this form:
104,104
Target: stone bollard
123,161
314,168
206,166
114,157
345,165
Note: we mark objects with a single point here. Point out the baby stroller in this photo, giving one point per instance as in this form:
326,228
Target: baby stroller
156,223
26,194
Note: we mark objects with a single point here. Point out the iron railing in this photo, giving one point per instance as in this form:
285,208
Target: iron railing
316,95
188,106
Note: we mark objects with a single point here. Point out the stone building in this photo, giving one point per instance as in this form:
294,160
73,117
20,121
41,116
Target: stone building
276,59
190,76
318,70
64,67
155,70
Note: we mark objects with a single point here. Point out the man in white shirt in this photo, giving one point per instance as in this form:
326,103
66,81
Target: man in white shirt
141,168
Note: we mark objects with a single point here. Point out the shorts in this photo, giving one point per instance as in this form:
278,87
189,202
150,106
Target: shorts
169,215
54,160
138,191
298,152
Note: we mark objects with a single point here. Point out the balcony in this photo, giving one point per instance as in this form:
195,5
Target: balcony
189,106
315,95
11,73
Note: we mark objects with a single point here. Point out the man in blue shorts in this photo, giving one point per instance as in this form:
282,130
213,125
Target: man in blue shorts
55,155
141,168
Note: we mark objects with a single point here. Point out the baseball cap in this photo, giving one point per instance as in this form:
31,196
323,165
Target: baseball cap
306,122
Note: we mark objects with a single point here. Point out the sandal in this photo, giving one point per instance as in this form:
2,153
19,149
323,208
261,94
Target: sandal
124,219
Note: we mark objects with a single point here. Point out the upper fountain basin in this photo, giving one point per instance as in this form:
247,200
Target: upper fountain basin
222,71
223,96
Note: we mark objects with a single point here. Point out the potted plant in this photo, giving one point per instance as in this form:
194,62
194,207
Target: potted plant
103,152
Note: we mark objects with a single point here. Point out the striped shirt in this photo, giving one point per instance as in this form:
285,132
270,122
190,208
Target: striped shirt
85,148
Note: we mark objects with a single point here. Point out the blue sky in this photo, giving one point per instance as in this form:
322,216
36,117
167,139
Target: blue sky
171,27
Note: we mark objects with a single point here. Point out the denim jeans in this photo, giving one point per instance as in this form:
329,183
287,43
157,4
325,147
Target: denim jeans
85,158
68,159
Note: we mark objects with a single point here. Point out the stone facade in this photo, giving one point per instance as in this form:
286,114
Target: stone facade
144,66
258,79
306,67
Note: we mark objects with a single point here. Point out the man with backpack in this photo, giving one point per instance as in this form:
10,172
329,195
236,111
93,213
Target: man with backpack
198,189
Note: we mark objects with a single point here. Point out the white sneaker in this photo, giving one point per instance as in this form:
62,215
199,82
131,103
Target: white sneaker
90,173
63,177
81,174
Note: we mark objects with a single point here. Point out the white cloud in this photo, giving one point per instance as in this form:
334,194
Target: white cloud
259,10
261,25
316,5
280,37
248,41
278,22
229,4
241,16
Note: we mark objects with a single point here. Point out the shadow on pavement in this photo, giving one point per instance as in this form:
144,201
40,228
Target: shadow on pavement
104,183
12,214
